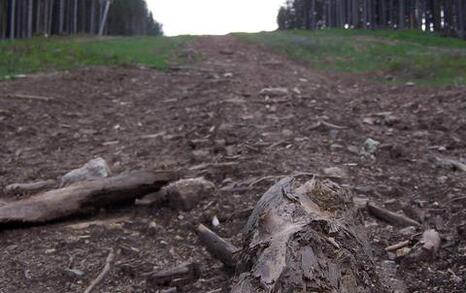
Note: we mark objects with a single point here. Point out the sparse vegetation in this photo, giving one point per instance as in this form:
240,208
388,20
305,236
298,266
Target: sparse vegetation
397,56
59,53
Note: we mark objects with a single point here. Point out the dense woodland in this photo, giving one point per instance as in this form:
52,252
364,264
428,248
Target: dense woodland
445,16
26,18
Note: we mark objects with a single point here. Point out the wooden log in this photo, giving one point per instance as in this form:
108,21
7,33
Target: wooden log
305,240
77,198
178,276
217,246
391,217
29,188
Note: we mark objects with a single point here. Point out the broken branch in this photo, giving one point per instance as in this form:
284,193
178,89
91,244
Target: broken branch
390,217
217,246
103,273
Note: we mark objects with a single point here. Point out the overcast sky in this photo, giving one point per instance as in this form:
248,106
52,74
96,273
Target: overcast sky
215,16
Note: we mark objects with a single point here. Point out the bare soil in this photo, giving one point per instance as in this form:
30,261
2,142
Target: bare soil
210,113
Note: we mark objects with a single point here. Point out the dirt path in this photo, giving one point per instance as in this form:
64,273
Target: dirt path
213,112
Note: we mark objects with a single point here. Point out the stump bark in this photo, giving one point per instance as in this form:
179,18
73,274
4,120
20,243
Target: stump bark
305,240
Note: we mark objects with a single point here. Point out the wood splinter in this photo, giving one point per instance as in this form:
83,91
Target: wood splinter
217,246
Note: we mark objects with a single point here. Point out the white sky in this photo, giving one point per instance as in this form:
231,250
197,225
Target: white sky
216,17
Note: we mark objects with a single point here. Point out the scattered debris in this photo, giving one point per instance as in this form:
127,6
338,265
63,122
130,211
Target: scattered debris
321,123
109,223
94,169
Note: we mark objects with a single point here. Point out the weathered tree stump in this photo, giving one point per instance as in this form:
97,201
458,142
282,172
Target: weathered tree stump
305,240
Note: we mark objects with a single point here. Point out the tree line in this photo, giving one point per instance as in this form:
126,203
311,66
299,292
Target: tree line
26,18
445,16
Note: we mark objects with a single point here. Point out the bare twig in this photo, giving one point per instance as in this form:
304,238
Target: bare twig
103,273
328,124
397,245
28,97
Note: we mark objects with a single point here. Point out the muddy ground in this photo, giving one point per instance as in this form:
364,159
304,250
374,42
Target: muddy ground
210,113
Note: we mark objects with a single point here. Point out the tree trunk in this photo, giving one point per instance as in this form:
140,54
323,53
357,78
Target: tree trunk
30,11
460,15
12,19
81,196
61,17
92,20
401,18
305,240
103,20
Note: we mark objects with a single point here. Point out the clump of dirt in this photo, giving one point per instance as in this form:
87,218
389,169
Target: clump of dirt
211,119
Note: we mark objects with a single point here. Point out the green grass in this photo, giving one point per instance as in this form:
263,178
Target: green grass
61,53
423,58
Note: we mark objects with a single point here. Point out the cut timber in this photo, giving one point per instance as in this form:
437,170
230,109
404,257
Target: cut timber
76,198
217,246
178,276
305,240
391,217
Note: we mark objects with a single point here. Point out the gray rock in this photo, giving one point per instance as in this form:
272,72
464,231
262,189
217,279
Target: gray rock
94,169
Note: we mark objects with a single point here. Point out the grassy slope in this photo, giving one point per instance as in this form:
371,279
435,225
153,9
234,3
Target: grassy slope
38,54
403,55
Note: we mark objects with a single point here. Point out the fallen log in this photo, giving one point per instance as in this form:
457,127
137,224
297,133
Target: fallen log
305,240
217,246
81,196
29,188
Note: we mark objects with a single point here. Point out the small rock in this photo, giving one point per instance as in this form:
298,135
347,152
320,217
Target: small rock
94,169
369,148
335,172
215,221
185,194
287,133
278,91
403,251
408,231
410,83
75,272
353,149
336,146
369,120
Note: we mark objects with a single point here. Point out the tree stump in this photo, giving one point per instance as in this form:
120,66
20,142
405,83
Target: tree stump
305,240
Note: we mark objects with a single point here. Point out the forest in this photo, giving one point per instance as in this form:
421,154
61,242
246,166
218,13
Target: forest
447,17
26,18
